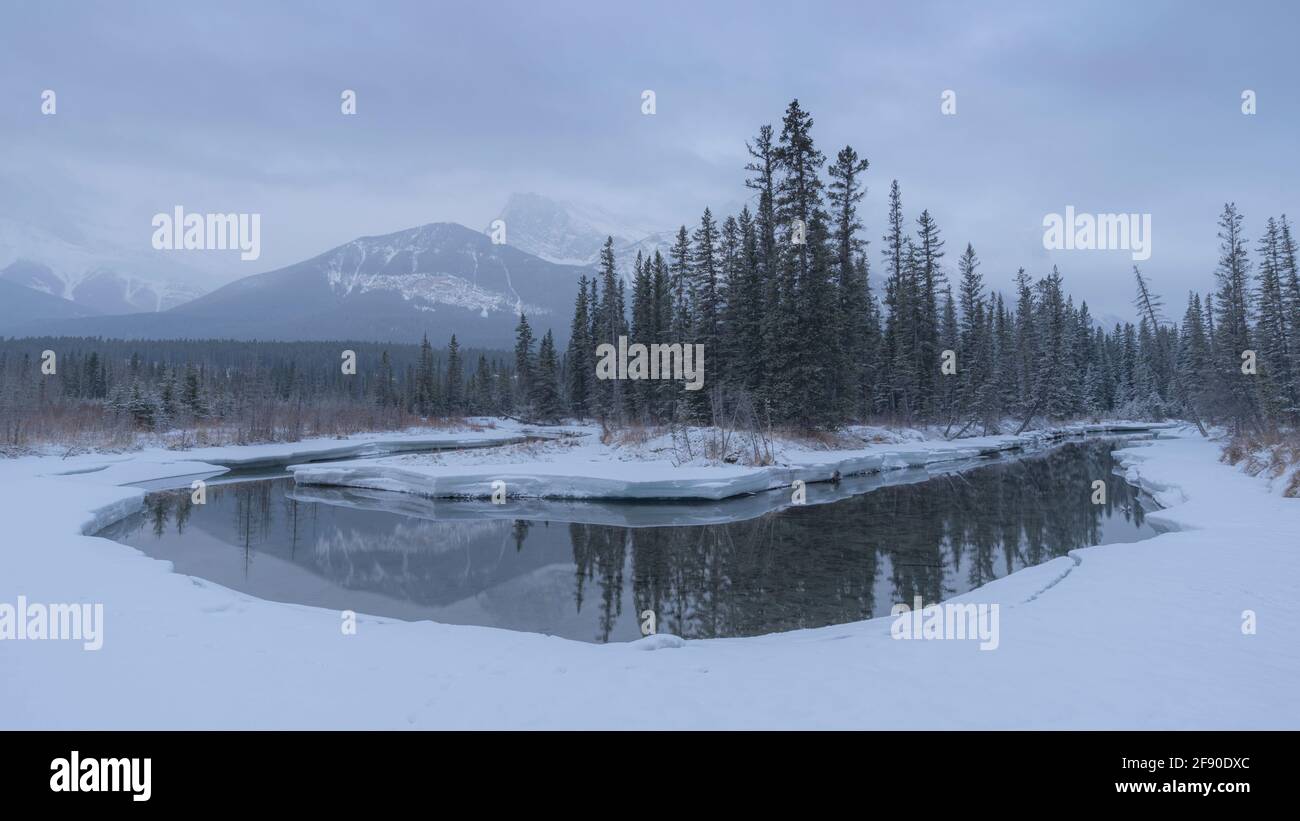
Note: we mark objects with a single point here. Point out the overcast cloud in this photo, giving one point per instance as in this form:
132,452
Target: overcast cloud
1108,107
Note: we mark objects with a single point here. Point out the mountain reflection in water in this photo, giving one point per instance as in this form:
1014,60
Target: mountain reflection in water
803,566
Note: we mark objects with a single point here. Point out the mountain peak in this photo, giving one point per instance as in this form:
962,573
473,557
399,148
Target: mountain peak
573,233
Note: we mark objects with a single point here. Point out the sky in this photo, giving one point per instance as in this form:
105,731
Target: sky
235,107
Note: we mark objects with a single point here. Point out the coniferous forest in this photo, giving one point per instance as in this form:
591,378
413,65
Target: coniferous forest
832,329
807,321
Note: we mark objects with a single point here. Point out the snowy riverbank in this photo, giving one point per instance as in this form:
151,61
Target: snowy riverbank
151,464
1144,635
584,468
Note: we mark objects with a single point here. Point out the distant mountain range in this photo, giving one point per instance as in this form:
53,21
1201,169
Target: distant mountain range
20,305
439,279
98,280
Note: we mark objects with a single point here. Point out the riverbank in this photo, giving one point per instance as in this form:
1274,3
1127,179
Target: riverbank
1145,635
583,467
151,464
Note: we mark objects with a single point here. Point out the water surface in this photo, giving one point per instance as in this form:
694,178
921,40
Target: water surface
562,567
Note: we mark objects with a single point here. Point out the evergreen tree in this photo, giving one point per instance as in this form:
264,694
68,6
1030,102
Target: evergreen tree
580,363
706,307
481,400
899,353
546,384
1273,329
426,391
851,323
644,330
928,278
455,396
973,348
808,301
385,389
611,323
763,168
1237,398
524,366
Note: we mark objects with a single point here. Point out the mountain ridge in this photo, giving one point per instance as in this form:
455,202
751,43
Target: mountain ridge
436,278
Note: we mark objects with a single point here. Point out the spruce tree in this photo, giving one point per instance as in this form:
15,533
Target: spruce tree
927,280
455,396
580,363
426,380
844,193
1237,390
546,383
525,365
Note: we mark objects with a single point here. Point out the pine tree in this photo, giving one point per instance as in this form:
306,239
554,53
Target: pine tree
1026,342
643,330
896,357
168,401
1290,276
729,371
1051,391
947,398
1006,359
659,327
679,272
851,322
1193,355
481,400
611,323
455,396
191,394
1237,398
1273,332
385,390
808,300
546,384
580,363
972,348
706,307
525,365
426,380
928,277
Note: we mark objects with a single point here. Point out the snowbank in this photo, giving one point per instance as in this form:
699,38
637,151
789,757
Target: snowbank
1145,635
154,464
593,471
616,512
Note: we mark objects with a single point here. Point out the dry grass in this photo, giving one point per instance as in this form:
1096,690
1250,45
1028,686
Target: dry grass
819,439
93,427
632,434
1274,454
1292,489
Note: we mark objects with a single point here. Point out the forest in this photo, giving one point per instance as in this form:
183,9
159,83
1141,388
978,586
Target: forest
803,330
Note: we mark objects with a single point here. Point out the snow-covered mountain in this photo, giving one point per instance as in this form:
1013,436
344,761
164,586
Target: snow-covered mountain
439,279
571,233
101,290
101,280
20,305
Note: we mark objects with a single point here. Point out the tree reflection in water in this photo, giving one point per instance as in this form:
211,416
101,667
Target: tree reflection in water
804,566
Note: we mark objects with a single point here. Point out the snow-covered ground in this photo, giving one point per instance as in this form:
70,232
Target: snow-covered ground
663,466
157,463
1144,635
